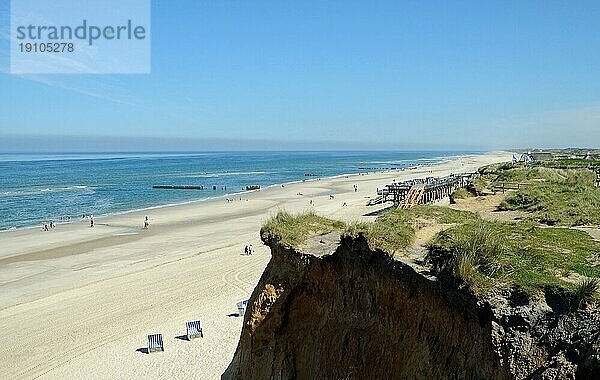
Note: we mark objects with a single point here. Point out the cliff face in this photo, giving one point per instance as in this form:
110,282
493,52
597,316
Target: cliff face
357,313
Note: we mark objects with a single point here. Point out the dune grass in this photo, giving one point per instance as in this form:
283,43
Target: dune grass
546,171
391,232
530,257
295,229
462,193
557,203
570,163
537,174
390,238
586,291
394,231
565,195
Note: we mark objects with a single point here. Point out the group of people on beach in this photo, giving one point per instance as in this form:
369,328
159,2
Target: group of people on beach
248,250
229,200
90,217
47,226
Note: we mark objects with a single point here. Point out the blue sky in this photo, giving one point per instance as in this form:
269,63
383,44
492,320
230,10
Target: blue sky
327,74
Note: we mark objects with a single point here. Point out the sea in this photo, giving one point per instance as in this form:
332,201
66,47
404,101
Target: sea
38,188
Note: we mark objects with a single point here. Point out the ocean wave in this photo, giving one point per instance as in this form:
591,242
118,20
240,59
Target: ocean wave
391,162
28,192
217,175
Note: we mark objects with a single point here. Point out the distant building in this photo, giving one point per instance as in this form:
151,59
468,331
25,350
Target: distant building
525,157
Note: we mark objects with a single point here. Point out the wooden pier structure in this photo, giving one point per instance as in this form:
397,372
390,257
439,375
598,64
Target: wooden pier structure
415,192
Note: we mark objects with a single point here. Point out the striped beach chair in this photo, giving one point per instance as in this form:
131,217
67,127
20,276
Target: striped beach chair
155,343
242,307
194,330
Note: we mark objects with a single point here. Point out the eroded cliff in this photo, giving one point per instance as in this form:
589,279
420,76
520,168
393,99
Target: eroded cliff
358,313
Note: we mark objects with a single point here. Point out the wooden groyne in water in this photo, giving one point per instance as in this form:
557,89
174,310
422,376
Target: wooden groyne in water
179,187
202,187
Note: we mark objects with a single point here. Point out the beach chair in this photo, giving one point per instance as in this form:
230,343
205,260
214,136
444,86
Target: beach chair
194,330
155,343
242,307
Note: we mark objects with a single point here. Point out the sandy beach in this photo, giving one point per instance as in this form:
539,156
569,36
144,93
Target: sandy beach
78,302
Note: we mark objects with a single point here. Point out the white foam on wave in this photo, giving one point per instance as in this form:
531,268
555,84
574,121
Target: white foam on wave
18,193
215,175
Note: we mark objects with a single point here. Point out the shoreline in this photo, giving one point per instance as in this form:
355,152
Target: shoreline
438,160
85,298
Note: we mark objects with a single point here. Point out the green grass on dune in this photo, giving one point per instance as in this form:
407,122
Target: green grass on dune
527,255
565,196
462,193
530,257
295,229
557,203
536,174
391,232
392,237
566,163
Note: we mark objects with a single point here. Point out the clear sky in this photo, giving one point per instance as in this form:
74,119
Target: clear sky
327,74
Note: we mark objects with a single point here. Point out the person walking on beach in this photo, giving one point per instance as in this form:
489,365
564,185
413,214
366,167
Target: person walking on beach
250,249
146,223
246,250
91,221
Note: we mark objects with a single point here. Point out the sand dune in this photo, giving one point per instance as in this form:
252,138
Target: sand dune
78,302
